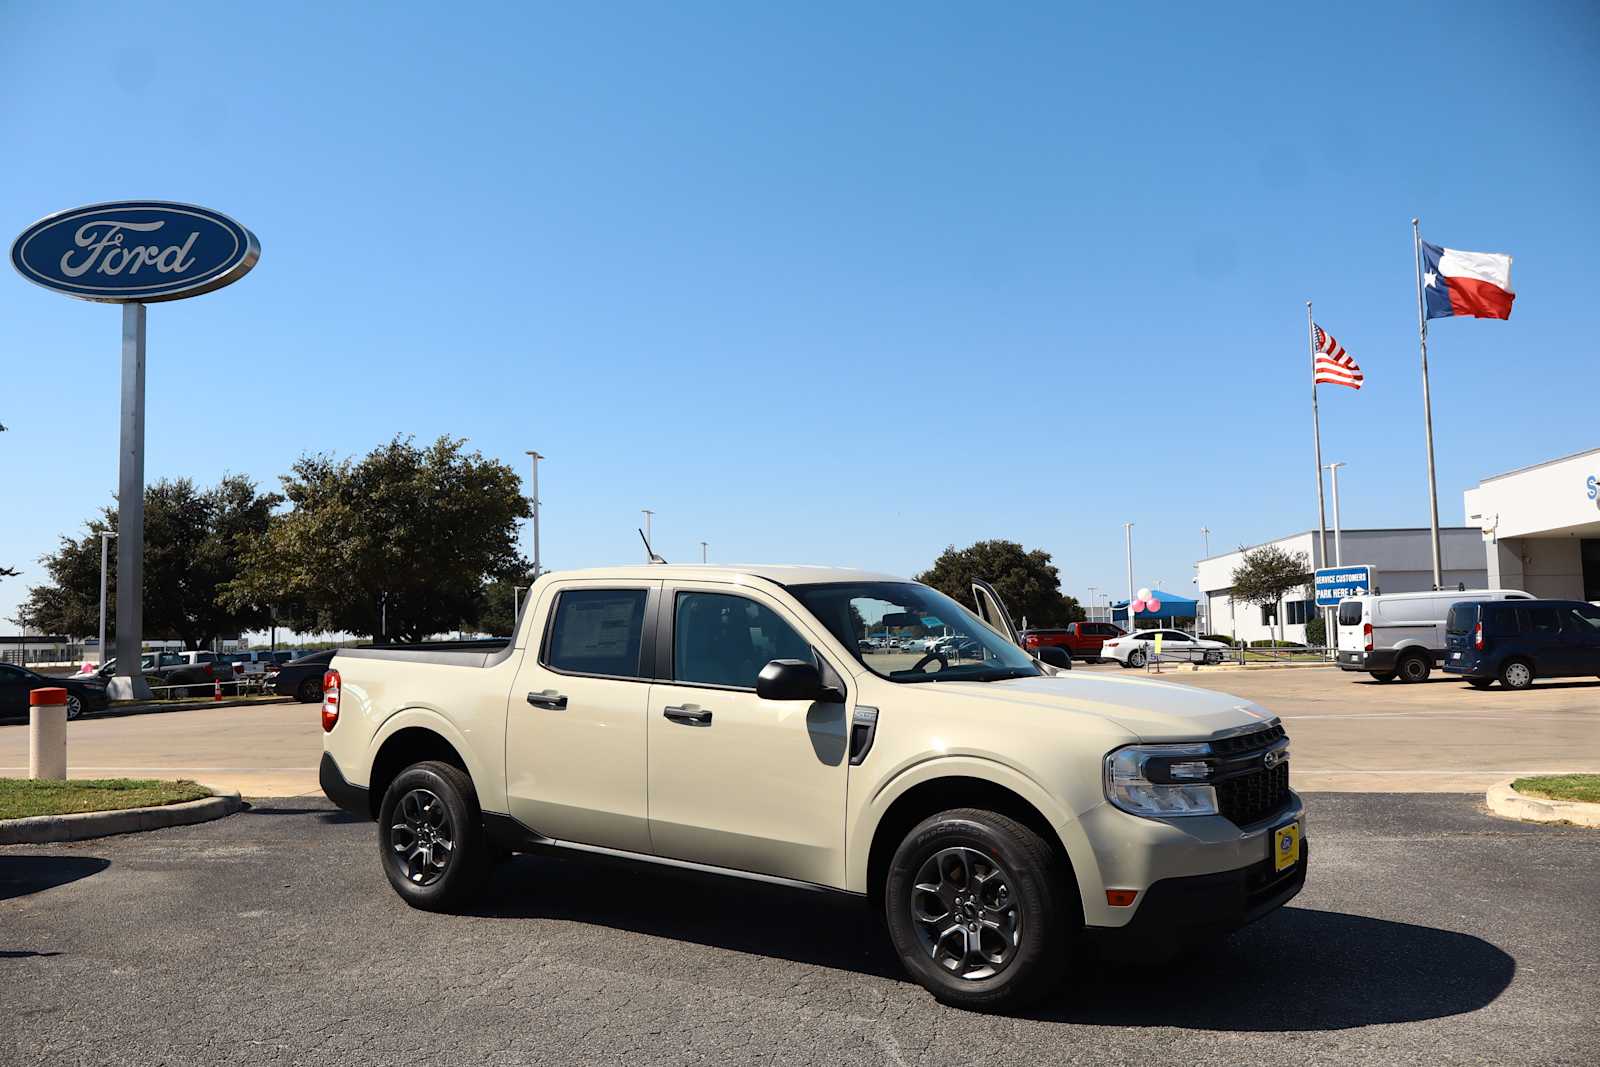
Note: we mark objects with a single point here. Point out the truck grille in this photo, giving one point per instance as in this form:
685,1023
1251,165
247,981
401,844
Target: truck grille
1252,791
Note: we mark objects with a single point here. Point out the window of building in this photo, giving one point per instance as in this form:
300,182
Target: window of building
1296,612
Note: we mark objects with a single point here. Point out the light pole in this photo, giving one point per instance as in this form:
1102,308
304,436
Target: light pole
1093,607
105,536
536,458
703,557
1127,534
1338,550
1205,532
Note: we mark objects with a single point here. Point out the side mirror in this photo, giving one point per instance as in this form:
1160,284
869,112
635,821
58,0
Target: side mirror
1056,656
791,679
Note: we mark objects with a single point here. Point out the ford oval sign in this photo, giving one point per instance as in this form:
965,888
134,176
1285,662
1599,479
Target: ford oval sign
135,251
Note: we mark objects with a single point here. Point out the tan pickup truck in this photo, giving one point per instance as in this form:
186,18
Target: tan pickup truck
736,720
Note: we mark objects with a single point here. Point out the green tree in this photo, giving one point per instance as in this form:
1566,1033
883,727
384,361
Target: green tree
1026,580
500,602
193,542
409,535
1266,574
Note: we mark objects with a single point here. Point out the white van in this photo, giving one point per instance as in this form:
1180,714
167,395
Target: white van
1402,633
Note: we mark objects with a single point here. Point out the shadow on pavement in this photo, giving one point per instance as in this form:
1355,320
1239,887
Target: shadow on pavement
1300,969
1297,969
823,929
21,875
332,817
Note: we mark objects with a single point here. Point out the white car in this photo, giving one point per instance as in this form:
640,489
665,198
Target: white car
1137,649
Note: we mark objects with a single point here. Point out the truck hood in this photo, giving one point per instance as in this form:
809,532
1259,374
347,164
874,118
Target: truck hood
1155,711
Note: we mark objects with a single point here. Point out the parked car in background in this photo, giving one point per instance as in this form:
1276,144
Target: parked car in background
1082,640
197,671
302,678
255,663
83,693
1138,648
1515,642
1402,634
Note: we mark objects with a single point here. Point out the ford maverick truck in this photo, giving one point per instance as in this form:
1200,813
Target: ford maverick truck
738,721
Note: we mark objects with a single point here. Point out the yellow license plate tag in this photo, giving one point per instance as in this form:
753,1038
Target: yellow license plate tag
1286,846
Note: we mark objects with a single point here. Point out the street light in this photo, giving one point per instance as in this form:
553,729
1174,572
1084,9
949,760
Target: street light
702,552
1338,551
1127,534
1093,589
105,536
536,458
1205,532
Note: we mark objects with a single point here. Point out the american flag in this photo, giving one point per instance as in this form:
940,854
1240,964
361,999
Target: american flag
1333,365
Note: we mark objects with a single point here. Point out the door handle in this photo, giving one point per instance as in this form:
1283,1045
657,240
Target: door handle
550,699
688,714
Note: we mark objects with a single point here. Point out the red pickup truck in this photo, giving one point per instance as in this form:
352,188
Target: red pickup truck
1082,640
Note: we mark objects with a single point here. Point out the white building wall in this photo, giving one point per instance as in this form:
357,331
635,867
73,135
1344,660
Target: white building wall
1534,523
1403,559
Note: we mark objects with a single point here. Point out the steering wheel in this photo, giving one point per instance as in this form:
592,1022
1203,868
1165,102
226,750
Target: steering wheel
929,658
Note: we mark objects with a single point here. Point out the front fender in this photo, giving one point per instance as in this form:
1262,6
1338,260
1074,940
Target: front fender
866,822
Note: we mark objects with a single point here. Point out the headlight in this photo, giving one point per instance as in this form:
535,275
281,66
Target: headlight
1156,780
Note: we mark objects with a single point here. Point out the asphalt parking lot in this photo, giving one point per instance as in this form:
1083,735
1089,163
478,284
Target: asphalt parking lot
1429,932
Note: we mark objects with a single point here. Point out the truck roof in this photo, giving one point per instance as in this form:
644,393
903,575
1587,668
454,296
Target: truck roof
781,573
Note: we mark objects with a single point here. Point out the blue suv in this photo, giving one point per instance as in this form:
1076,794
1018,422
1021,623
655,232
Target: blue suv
1516,641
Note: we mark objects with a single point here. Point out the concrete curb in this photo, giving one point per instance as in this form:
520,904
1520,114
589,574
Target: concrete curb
45,829
1508,803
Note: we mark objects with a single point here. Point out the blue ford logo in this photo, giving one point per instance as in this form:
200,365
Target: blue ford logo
135,250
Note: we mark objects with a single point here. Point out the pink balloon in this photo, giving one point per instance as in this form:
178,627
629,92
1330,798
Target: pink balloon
1153,604
1138,606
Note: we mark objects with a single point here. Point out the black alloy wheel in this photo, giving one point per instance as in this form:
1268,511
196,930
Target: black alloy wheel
430,836
982,911
309,691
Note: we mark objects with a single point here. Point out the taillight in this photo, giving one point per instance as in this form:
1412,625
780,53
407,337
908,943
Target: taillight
1366,635
1477,636
1030,641
330,700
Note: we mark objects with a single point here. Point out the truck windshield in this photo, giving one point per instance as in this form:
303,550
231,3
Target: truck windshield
907,632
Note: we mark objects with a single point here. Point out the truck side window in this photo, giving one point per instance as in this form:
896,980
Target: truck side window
597,631
725,640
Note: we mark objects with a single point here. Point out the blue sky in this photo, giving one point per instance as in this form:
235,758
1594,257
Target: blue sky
827,283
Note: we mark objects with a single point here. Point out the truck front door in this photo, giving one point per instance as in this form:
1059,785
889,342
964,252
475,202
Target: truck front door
737,781
575,724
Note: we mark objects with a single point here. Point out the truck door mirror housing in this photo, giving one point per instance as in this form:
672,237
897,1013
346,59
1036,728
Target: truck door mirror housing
790,679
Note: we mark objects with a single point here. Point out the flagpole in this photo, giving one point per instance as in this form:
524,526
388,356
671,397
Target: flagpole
1427,407
1316,433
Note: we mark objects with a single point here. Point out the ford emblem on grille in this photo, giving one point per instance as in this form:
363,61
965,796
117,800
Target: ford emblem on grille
1271,759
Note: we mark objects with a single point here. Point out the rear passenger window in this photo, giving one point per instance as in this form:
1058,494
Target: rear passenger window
1540,621
597,631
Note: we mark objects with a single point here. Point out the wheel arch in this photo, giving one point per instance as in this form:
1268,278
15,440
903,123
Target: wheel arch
953,783
410,737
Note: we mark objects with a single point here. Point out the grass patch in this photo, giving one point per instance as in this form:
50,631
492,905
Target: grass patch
1583,787
21,798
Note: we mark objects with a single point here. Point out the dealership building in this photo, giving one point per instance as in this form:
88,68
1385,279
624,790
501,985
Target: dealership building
1535,529
1541,527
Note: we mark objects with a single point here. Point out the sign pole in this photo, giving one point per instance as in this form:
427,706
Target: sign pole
129,683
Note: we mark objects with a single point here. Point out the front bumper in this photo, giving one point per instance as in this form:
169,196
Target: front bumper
1178,910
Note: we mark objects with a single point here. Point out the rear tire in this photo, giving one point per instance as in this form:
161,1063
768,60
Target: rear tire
1023,921
1382,676
1480,683
1516,674
430,837
1414,668
1136,658
309,692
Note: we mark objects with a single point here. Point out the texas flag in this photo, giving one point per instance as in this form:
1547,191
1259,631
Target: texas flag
1466,283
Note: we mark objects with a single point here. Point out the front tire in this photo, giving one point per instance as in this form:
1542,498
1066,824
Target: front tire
981,910
430,836
1382,676
1480,683
74,706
